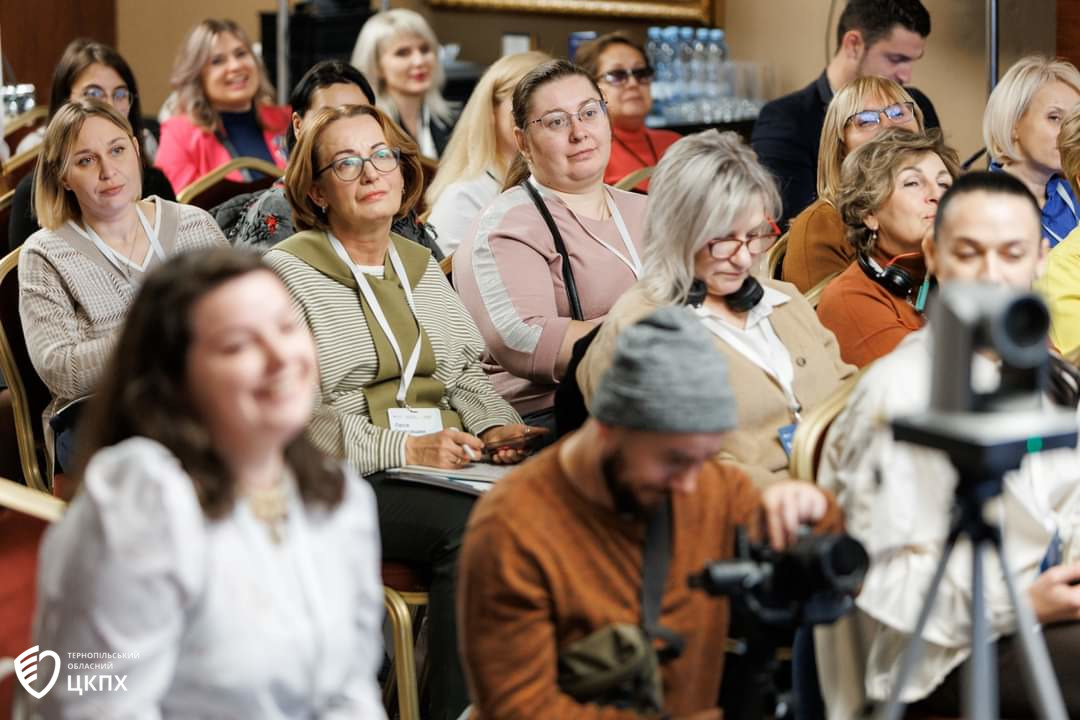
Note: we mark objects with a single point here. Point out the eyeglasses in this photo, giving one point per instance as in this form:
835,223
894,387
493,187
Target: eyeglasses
618,77
589,114
350,167
896,114
120,96
756,241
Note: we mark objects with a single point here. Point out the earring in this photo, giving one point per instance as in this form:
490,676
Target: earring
873,238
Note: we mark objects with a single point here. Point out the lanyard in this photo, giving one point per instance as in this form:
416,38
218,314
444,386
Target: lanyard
633,262
1064,195
408,369
116,259
733,338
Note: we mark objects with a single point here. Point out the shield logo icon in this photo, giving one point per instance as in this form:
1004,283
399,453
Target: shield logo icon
26,667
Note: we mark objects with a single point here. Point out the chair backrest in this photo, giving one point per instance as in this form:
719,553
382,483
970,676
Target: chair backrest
212,189
29,395
813,295
6,200
20,126
809,437
24,515
632,180
18,167
447,267
774,258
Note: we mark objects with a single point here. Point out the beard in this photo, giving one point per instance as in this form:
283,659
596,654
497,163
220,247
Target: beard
613,468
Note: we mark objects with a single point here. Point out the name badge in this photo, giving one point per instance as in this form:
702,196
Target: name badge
422,421
787,435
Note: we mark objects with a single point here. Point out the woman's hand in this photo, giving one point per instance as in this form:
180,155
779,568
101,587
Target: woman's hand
496,435
444,449
1055,595
787,507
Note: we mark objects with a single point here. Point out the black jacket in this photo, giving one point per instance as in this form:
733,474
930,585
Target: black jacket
440,132
786,138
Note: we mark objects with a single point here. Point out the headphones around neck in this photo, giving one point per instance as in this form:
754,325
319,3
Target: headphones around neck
893,278
744,299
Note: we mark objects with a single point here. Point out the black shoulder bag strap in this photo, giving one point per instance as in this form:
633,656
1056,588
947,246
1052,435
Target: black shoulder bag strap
657,559
567,272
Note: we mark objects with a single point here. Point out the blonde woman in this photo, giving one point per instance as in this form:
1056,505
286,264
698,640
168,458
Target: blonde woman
78,275
817,240
222,107
480,151
399,50
1020,128
1062,279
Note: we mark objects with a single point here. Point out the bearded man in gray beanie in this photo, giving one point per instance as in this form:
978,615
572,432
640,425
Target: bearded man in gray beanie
552,566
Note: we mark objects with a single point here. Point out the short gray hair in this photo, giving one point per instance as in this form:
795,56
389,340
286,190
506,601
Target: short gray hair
702,184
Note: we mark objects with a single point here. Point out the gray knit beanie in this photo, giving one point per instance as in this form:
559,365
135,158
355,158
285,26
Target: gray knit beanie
667,376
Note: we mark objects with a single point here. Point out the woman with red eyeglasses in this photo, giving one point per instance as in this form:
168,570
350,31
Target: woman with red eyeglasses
620,67
701,242
888,198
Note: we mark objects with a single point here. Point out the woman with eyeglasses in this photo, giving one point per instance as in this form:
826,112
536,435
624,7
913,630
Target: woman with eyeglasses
701,241
93,71
620,66
817,245
551,255
888,197
401,381
224,107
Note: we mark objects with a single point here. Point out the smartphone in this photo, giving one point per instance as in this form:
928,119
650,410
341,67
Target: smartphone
522,441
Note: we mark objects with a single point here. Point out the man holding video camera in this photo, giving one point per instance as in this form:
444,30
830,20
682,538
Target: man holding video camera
551,574
898,497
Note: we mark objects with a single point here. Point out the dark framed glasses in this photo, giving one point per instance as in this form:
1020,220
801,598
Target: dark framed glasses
120,96
350,167
618,77
896,114
756,241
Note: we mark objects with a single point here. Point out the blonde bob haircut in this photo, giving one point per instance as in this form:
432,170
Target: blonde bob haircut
1012,96
1069,147
702,185
304,163
850,99
380,29
474,147
869,177
186,78
53,204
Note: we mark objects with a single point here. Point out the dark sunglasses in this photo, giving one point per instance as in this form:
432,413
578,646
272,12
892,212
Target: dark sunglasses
618,77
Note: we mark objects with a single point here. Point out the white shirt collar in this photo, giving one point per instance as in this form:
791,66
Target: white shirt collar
771,299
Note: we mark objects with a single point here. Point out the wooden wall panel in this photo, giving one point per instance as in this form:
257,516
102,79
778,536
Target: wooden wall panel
1068,30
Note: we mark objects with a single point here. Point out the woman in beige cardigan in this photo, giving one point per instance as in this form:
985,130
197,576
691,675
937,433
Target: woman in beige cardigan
701,241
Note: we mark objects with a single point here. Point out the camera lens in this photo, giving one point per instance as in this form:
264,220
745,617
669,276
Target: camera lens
1026,322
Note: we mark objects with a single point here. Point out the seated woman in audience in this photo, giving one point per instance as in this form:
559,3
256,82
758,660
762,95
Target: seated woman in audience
619,65
481,149
78,274
209,536
1060,286
265,218
90,70
1020,128
401,381
399,50
888,198
223,107
701,241
511,272
817,245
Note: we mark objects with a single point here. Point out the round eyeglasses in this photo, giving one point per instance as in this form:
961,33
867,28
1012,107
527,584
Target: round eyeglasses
349,167
589,114
897,113
756,241
120,96
620,76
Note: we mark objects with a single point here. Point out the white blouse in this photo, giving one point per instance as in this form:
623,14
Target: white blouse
458,207
208,619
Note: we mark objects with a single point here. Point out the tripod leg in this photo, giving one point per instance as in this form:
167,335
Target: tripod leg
894,708
981,687
1038,670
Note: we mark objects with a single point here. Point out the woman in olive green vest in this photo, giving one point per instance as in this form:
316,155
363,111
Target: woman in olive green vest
401,381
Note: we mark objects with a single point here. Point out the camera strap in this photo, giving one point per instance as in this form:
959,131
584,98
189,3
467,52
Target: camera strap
656,560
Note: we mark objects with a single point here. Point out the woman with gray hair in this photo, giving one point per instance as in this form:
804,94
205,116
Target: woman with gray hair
701,240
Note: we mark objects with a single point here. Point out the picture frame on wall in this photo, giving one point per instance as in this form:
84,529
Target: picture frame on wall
676,11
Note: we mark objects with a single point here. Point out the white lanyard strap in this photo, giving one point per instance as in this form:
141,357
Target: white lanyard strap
116,259
408,369
633,261
732,338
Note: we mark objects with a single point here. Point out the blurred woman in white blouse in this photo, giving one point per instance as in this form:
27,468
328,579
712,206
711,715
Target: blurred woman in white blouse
231,569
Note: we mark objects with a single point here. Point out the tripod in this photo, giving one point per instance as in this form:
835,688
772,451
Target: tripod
982,451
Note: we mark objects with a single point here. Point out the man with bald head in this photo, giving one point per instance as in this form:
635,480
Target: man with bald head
897,497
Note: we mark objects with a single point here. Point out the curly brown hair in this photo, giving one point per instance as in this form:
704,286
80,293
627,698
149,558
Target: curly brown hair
145,388
869,174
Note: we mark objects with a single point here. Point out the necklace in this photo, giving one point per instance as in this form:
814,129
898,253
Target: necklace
270,506
641,161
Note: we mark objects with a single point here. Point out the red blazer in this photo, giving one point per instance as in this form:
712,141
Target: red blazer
187,151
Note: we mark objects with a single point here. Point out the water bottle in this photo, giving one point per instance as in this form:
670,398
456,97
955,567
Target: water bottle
656,61
717,53
685,62
699,65
666,72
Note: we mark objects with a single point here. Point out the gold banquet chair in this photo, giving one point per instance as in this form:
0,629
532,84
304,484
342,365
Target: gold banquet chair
213,188
631,181
402,592
809,438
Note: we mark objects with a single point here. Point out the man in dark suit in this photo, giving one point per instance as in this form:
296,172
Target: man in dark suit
874,37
